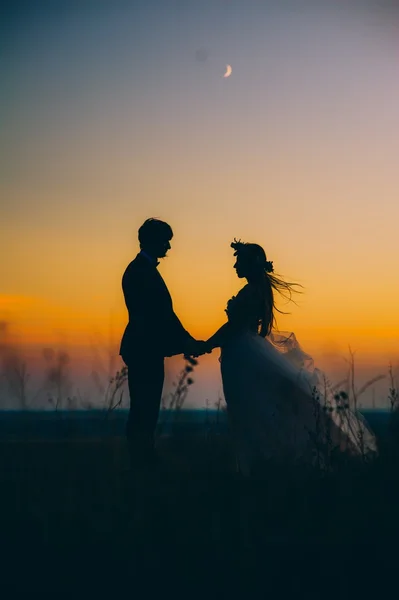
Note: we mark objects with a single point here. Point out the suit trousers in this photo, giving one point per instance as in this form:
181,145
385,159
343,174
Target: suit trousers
145,380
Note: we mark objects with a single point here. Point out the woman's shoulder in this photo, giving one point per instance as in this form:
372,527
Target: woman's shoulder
241,295
245,291
249,292
245,295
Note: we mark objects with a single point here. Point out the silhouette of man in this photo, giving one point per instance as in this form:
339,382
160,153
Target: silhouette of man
152,333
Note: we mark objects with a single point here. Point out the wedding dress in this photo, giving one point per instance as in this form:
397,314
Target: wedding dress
280,407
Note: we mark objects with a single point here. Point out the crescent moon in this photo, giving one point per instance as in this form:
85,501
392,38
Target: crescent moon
229,71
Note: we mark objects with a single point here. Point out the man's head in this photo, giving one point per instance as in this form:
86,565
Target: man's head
154,237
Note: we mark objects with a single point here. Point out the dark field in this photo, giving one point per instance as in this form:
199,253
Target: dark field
73,515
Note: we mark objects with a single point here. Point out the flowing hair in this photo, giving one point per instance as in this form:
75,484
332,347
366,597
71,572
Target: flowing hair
267,282
271,283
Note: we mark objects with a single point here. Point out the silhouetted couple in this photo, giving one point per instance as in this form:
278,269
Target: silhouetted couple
279,405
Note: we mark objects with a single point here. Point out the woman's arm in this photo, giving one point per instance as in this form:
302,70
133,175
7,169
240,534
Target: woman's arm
238,310
220,337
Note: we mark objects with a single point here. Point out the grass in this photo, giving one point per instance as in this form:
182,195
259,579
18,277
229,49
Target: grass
73,509
73,506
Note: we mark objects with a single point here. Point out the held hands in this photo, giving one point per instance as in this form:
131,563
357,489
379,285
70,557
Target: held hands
197,348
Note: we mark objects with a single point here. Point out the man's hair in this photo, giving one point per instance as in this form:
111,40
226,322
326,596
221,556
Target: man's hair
153,230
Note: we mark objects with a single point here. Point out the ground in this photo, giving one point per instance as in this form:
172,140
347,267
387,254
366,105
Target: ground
74,506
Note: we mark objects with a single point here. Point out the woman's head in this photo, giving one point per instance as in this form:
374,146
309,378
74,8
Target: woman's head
251,261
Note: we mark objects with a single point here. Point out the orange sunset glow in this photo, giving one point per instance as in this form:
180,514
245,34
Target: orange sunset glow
111,117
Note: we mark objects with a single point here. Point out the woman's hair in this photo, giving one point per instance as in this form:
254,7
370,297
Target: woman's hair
255,257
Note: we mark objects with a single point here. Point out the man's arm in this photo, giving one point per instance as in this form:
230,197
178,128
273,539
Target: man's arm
181,341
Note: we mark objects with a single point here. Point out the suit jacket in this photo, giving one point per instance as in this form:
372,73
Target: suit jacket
153,328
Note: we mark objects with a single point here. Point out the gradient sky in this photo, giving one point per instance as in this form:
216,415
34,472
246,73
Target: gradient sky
114,112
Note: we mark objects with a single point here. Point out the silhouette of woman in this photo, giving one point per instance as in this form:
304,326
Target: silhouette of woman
280,407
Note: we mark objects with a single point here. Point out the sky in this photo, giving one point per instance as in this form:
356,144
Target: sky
115,112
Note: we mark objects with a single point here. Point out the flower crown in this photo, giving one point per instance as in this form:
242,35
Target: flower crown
240,246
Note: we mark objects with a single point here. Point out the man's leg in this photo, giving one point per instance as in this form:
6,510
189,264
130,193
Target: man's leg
145,380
